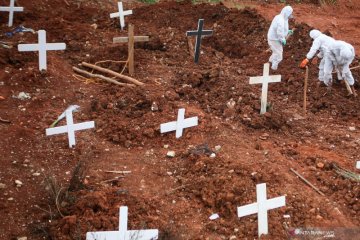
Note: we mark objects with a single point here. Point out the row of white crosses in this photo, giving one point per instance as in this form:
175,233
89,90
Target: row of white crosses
11,9
261,207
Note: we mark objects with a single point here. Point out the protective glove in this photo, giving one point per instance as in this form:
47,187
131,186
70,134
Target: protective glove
290,32
304,63
283,42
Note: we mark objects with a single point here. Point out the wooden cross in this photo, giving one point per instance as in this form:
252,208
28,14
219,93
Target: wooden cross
199,33
180,124
11,9
261,207
265,80
131,39
42,47
124,233
358,165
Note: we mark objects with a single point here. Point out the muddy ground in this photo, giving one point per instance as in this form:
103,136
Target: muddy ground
67,192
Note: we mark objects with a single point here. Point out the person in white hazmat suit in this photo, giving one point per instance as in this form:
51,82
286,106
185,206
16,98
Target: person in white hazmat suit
342,54
320,44
277,34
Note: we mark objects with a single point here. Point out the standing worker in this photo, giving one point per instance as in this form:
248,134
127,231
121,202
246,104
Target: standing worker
342,54
277,35
322,44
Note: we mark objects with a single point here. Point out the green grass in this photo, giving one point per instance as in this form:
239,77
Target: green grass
149,1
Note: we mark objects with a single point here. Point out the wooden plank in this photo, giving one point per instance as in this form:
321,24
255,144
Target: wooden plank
131,50
126,39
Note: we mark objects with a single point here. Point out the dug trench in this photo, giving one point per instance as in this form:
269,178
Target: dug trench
178,195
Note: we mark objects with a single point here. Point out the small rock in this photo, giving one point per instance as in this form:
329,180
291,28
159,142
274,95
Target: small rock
352,128
22,96
313,210
231,171
94,26
231,103
154,107
217,148
213,155
11,199
169,173
22,238
170,154
264,136
166,146
214,216
2,186
36,174
286,216
236,230
318,217
18,183
320,165
232,237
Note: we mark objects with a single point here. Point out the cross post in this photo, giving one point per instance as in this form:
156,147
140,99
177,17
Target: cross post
265,80
70,128
199,33
121,14
11,9
261,207
358,165
42,47
131,39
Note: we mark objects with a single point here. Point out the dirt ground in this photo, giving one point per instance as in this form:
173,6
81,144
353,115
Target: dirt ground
67,192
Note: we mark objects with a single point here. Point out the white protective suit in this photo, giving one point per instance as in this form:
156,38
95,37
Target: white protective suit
342,54
278,32
322,43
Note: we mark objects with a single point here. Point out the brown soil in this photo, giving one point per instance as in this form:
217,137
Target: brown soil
176,195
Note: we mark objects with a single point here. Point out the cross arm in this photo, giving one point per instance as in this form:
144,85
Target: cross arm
110,235
55,46
56,130
275,202
126,39
149,234
167,127
28,47
247,210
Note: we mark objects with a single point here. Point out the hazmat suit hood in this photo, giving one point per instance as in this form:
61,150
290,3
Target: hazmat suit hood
315,34
287,12
346,53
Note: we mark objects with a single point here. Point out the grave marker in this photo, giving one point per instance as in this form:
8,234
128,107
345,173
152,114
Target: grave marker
261,207
131,39
121,14
11,9
42,47
199,33
70,128
358,165
180,124
123,233
265,80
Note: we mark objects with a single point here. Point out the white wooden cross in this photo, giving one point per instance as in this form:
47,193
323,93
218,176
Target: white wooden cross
265,80
11,9
121,14
180,124
41,47
261,207
358,165
123,233
70,128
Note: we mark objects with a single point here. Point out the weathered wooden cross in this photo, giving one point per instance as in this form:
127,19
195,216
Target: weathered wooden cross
121,14
265,80
70,128
11,9
261,207
131,39
124,233
199,33
180,124
41,47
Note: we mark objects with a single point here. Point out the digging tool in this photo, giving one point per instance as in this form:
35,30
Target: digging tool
287,37
305,88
